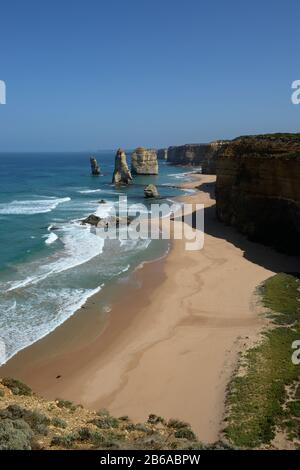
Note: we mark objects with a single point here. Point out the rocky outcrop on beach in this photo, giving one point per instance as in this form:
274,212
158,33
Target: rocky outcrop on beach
162,154
95,167
121,172
258,190
151,191
144,162
204,155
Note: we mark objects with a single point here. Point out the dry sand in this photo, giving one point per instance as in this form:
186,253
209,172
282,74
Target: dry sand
171,341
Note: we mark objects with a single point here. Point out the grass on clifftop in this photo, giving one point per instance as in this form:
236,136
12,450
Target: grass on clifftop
263,398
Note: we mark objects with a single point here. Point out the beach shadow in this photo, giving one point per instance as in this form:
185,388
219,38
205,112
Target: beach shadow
257,253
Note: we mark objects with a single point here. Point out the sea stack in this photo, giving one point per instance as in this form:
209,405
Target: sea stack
94,167
144,162
121,172
151,191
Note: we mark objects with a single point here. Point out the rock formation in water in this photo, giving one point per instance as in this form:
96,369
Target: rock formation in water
91,220
162,154
121,172
258,190
106,222
94,167
144,162
204,155
150,191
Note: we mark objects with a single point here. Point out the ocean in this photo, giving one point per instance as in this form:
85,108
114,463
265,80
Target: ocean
49,263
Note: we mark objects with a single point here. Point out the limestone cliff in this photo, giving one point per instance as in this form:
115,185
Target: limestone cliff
162,154
188,154
204,155
121,172
258,190
144,162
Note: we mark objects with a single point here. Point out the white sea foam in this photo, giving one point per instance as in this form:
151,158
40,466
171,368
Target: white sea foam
80,245
51,238
88,191
16,334
31,207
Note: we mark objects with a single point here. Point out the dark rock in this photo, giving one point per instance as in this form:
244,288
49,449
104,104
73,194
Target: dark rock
151,191
102,201
106,222
162,154
91,219
94,167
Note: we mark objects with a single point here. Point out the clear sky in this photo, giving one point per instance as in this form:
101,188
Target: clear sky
98,74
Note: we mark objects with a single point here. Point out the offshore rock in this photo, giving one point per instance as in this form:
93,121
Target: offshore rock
106,222
144,162
151,191
121,172
91,220
94,167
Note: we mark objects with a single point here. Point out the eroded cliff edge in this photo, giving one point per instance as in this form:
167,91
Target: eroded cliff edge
204,155
258,190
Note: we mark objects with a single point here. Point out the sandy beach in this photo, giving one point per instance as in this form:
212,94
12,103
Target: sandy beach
171,341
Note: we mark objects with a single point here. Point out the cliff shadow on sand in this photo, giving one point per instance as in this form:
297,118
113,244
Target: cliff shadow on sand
257,253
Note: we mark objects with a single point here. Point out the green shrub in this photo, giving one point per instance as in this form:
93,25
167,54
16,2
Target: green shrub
15,435
154,419
36,420
59,423
185,433
294,408
176,424
67,441
65,404
87,435
105,422
17,387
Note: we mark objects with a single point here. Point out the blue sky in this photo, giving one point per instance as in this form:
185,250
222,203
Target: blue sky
98,74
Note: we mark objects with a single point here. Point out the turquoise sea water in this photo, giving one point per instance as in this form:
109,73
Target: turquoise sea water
49,263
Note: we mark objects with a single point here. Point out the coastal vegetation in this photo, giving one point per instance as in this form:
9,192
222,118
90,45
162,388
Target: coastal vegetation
28,422
263,400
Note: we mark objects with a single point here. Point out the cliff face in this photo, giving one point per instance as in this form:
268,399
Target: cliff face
258,189
162,154
121,171
144,162
197,154
189,154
